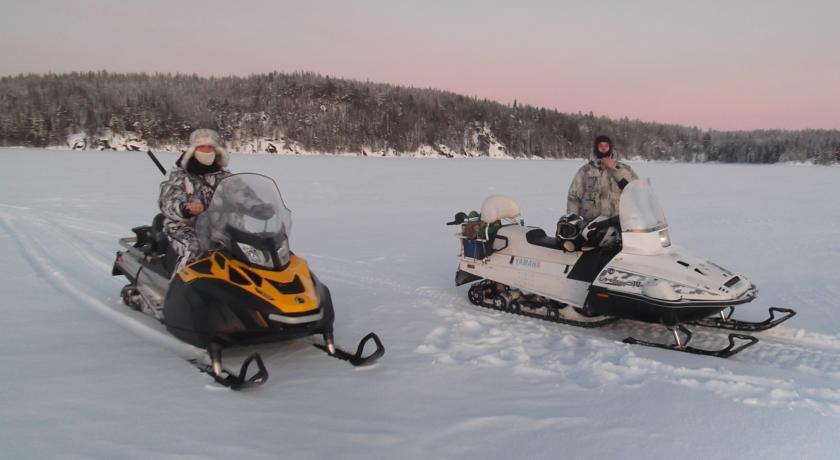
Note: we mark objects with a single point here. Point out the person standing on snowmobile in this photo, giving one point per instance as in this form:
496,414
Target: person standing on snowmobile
595,193
188,191
596,188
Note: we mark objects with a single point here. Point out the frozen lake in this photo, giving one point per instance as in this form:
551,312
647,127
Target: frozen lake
82,379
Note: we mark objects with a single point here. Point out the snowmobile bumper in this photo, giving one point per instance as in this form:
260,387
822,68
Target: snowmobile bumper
462,277
638,307
206,311
221,300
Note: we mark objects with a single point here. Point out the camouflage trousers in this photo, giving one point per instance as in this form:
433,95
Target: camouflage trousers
184,241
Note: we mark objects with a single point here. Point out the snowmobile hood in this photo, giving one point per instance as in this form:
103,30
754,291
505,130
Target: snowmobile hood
675,276
291,290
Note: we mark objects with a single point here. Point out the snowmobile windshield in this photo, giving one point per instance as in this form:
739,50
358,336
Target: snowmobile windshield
246,208
639,209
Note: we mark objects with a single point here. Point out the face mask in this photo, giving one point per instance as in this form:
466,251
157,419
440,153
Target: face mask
205,158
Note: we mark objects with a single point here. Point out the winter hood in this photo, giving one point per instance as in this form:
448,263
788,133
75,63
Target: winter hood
209,137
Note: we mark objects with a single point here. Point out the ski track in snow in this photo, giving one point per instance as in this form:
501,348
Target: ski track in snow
36,253
470,335
457,381
534,350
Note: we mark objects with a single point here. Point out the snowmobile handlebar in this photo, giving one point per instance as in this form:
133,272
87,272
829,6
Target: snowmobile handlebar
459,219
611,222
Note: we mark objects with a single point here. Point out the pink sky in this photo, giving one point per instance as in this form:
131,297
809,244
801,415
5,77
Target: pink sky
723,65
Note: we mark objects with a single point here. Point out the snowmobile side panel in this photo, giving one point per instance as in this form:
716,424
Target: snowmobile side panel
592,262
642,308
540,277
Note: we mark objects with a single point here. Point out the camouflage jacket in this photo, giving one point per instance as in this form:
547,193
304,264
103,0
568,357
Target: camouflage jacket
596,189
182,187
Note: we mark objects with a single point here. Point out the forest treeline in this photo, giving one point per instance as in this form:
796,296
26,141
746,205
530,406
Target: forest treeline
333,115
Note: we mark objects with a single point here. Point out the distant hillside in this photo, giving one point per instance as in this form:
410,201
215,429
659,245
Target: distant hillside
310,113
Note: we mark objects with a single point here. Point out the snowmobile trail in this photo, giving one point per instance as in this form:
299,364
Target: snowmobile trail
62,241
36,255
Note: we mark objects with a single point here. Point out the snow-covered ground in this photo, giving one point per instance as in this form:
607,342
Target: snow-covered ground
85,377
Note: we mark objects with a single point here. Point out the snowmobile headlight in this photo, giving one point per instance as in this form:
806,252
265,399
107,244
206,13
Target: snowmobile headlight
665,238
283,253
255,256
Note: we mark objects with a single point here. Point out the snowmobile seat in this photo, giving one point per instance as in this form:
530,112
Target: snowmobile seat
538,237
157,245
142,235
159,239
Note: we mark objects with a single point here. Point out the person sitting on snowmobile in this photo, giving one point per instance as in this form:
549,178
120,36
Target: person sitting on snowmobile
188,191
596,189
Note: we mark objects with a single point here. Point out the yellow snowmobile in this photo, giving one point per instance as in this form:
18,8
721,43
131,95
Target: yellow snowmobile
249,287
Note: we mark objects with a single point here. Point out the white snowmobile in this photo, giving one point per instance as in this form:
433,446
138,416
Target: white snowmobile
639,275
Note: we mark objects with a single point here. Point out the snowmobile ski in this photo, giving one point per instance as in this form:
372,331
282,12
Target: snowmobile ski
227,378
356,359
682,344
725,321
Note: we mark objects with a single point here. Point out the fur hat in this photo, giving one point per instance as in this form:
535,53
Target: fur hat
209,137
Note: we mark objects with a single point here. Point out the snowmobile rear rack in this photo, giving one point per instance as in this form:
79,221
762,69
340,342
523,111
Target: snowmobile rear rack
725,321
682,345
356,359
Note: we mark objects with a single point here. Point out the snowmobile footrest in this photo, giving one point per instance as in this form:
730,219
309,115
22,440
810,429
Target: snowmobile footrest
357,359
748,326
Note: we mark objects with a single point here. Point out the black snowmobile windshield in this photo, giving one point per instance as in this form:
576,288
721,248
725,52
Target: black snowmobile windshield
245,206
639,209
